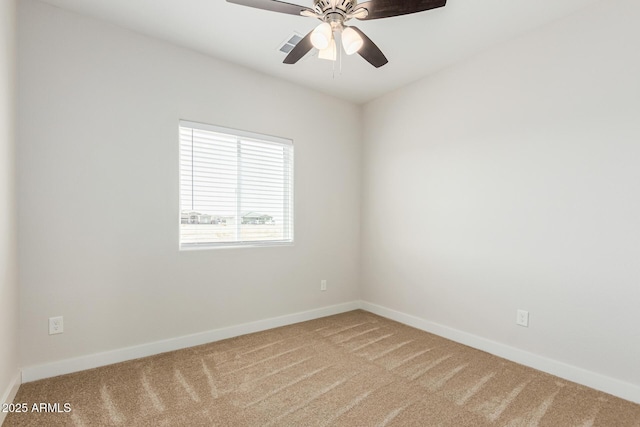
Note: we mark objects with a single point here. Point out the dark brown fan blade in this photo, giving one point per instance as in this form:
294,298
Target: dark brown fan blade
388,8
370,51
272,5
299,50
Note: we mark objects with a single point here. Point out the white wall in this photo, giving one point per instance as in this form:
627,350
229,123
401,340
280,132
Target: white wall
98,190
512,181
8,246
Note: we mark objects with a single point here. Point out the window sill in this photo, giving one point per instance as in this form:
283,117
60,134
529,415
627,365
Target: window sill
244,245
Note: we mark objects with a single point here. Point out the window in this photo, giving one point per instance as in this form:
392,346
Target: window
236,188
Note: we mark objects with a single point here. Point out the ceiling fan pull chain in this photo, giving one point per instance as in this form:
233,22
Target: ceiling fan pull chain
340,58
333,70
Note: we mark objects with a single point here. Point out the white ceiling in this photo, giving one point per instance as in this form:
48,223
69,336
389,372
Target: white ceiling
416,45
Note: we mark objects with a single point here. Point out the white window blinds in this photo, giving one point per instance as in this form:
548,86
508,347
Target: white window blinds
236,187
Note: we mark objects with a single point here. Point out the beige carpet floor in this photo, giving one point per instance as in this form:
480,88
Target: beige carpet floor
352,369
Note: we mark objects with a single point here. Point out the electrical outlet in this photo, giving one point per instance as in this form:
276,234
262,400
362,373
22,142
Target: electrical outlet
323,285
56,325
522,318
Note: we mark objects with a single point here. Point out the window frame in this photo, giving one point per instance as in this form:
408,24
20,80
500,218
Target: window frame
249,136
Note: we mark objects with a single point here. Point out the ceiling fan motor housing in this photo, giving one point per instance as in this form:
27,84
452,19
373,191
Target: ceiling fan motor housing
334,11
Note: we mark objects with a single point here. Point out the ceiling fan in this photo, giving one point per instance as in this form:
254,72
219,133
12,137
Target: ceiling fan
334,14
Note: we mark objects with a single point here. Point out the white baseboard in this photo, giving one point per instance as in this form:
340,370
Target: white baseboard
578,375
67,366
587,378
10,393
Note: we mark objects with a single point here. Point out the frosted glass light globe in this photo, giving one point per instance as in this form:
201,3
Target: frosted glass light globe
321,36
351,41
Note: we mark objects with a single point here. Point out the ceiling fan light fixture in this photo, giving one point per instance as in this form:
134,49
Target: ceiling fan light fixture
351,41
322,35
329,52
